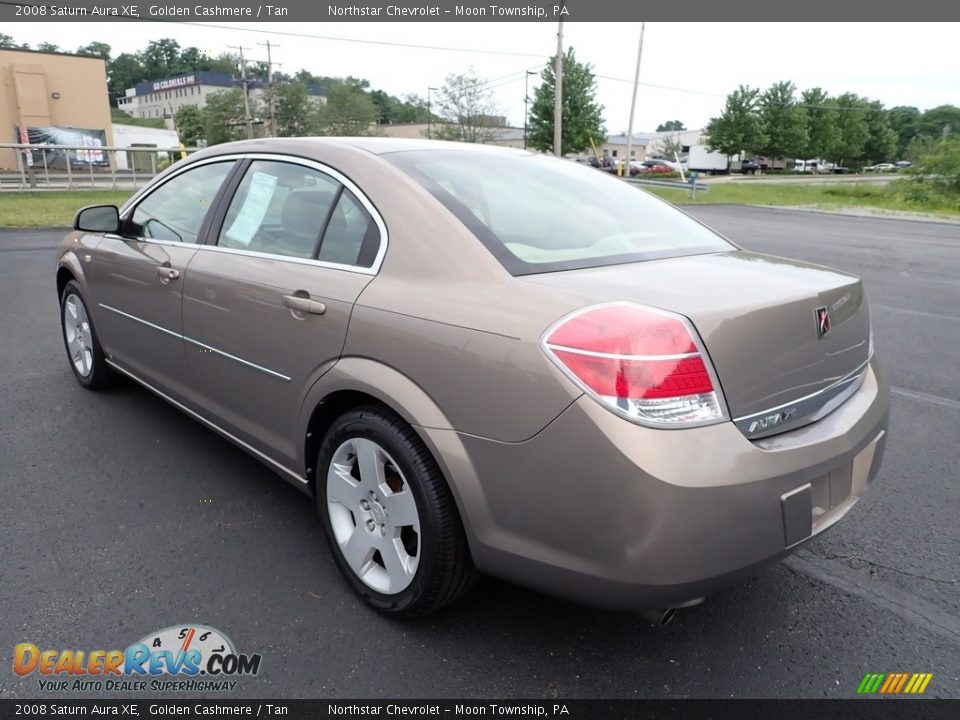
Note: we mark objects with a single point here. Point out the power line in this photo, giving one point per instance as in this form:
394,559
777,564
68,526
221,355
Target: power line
662,87
311,36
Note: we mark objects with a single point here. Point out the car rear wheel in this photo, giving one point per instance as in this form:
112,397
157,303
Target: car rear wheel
389,516
81,341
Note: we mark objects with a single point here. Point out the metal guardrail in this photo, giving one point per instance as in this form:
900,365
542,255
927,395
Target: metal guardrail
689,186
71,167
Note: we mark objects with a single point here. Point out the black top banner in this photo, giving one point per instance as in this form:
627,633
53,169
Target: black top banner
479,10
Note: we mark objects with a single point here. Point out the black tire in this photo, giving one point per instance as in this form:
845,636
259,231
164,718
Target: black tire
99,375
445,569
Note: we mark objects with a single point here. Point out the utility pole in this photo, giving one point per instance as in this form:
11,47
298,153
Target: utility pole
633,103
558,95
430,111
272,96
526,104
248,121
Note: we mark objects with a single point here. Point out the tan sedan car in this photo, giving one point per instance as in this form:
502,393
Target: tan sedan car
484,359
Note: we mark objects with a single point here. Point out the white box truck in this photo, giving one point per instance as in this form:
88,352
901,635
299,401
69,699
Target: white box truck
701,159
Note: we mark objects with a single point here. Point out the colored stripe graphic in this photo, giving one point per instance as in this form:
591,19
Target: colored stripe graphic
903,679
894,683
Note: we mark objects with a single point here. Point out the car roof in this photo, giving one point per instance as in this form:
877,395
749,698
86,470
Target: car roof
373,145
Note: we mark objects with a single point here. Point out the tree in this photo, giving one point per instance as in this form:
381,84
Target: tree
7,41
124,72
852,128
467,110
410,109
223,116
820,119
349,109
936,163
738,129
904,121
296,113
783,122
670,146
940,120
413,109
191,125
161,59
95,49
48,47
881,143
582,117
670,126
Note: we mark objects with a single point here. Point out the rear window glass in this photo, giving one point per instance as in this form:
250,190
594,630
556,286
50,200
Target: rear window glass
540,214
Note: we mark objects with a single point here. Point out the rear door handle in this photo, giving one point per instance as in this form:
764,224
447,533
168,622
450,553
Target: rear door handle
167,273
304,304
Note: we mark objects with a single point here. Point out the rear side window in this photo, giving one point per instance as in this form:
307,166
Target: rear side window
538,214
279,208
351,237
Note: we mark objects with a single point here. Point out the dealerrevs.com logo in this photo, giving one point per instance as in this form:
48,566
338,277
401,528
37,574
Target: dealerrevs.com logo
181,657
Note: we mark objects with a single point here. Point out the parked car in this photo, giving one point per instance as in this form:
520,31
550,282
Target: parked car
635,168
881,167
903,164
815,165
749,167
482,359
656,166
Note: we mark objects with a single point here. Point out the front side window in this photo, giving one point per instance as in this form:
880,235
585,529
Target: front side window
279,208
538,214
175,211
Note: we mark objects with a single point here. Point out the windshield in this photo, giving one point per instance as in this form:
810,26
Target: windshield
540,214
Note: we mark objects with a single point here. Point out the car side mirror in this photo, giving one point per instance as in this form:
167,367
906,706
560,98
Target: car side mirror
98,218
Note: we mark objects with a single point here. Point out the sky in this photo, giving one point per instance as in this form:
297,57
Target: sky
686,70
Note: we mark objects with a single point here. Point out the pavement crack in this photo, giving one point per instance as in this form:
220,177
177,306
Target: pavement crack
910,607
855,561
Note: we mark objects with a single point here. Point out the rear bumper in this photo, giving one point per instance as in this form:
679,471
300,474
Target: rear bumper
603,511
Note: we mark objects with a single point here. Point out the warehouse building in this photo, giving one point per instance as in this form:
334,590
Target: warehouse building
163,98
53,98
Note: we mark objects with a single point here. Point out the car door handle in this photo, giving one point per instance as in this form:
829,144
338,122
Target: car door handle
304,304
167,273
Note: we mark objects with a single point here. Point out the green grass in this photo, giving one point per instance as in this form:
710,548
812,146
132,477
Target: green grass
123,118
52,208
897,196
56,209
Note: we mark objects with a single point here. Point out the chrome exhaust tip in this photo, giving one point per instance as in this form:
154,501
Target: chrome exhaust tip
660,618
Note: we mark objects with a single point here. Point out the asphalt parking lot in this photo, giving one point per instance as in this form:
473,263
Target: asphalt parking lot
120,516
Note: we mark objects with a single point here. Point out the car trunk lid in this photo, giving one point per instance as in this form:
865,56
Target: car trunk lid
760,318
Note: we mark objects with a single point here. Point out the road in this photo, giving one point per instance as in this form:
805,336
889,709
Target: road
120,516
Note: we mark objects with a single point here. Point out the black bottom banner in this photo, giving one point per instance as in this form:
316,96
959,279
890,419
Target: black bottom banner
905,709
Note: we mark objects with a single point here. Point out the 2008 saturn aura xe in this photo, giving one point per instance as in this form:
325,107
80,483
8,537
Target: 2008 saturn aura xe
482,359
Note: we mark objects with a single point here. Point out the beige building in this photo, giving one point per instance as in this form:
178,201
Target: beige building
646,145
53,96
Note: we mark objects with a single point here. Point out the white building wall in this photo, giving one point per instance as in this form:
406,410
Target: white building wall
126,136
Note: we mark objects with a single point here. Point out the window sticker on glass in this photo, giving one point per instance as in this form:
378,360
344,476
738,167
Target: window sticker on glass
259,195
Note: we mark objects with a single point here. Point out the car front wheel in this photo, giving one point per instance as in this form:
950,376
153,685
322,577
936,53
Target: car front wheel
81,341
389,516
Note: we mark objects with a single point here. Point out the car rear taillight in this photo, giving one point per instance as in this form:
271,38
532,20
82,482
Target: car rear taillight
645,364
